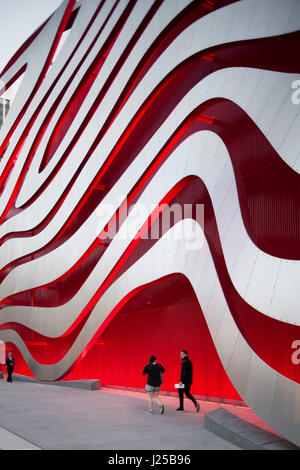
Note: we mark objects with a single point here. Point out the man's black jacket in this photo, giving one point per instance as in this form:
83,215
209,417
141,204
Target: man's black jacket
10,362
186,371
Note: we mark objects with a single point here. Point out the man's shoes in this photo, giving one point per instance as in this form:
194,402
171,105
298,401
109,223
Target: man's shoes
197,407
179,409
162,409
149,412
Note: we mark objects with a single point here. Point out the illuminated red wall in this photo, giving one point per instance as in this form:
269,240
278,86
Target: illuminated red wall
160,320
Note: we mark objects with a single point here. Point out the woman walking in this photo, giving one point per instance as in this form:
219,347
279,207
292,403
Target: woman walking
154,371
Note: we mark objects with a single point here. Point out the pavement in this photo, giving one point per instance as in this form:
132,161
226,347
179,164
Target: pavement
39,416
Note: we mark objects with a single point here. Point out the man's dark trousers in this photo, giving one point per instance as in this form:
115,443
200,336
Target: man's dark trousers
9,373
185,390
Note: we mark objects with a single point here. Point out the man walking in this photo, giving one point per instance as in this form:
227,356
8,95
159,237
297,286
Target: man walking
186,379
10,364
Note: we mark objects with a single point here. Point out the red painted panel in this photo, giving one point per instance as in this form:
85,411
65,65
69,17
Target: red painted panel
161,319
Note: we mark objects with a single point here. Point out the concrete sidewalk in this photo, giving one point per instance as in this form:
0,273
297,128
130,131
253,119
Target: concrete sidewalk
39,416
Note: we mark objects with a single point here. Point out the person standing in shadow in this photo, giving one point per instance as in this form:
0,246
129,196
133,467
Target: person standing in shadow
186,379
10,364
154,381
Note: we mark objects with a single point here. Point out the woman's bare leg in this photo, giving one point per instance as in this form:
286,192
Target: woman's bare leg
150,401
157,399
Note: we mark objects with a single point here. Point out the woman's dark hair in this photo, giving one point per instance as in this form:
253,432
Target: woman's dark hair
152,359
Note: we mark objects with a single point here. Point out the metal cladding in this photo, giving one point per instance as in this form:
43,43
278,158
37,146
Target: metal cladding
148,104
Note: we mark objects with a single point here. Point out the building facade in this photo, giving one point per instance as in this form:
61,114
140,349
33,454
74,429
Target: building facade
150,196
